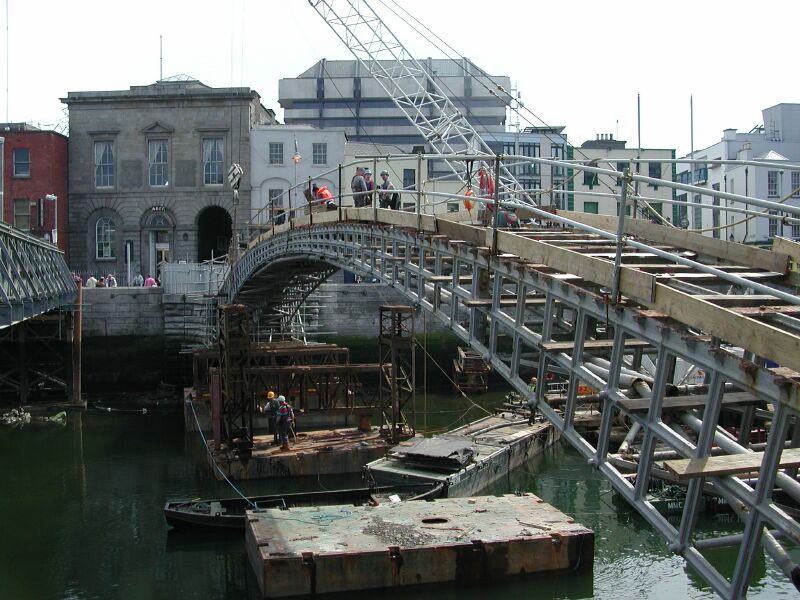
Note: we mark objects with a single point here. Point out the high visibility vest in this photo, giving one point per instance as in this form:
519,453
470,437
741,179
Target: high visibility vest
324,193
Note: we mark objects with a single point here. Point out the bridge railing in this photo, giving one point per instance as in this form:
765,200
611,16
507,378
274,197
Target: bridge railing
34,277
517,201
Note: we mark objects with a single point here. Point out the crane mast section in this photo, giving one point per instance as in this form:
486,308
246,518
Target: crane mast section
411,88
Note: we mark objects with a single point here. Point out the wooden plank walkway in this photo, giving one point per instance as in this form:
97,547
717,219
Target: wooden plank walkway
687,402
731,464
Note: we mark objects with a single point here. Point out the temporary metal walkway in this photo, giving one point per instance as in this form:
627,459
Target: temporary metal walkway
550,299
34,277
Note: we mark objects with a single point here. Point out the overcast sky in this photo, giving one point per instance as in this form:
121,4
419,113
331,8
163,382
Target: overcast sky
578,64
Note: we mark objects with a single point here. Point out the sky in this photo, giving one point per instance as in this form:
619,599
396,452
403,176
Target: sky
579,64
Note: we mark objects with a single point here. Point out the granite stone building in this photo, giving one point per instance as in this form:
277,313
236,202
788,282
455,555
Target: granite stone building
148,173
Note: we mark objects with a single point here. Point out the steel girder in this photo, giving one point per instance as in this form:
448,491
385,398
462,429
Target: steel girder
510,312
34,277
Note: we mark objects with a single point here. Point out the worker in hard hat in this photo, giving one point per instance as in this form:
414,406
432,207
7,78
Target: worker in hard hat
285,421
532,400
270,408
387,196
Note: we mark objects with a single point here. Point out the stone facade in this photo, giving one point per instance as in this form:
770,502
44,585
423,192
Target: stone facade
148,173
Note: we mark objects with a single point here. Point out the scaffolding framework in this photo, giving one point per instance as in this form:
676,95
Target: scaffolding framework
396,342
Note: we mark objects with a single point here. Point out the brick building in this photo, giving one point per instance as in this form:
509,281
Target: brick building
34,171
148,173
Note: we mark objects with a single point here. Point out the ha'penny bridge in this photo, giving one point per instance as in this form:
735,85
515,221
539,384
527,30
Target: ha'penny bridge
609,305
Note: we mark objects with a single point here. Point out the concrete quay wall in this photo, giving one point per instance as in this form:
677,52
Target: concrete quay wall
134,336
352,309
122,311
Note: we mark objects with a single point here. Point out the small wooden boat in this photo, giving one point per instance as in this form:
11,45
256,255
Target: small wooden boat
229,513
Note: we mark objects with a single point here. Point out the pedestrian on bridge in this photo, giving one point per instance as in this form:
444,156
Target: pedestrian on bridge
150,282
91,282
111,281
388,197
138,281
358,185
323,196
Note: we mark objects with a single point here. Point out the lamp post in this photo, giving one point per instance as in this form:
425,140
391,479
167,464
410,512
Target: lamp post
296,158
54,231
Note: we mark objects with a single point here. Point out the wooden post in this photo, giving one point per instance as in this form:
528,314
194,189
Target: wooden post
310,203
216,412
340,193
373,195
77,339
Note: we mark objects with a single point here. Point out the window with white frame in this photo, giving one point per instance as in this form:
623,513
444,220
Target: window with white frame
621,166
557,153
795,183
158,161
104,164
697,211
105,237
773,184
212,161
795,231
319,153
22,162
453,207
533,151
276,153
772,230
22,214
654,171
276,198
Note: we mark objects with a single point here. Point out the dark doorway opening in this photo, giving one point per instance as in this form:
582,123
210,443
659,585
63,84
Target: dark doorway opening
213,232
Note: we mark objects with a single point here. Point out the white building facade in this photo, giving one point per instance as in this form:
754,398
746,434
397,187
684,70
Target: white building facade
776,140
591,191
274,172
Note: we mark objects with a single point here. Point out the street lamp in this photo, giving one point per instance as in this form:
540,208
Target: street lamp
54,232
296,158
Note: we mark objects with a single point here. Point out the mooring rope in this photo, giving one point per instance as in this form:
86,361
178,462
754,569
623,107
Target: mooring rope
214,461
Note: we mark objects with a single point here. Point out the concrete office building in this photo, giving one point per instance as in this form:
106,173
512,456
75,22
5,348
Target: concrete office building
340,95
148,170
613,154
777,139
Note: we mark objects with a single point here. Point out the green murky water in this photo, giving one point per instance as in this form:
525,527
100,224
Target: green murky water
80,517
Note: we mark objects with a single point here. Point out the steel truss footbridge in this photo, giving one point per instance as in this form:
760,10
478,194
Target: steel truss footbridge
616,304
34,277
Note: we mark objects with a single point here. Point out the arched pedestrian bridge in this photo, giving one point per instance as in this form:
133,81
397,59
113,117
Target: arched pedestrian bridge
624,319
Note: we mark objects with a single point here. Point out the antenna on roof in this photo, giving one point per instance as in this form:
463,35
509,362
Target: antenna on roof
160,57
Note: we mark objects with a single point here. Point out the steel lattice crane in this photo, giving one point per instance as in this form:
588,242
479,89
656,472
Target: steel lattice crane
411,88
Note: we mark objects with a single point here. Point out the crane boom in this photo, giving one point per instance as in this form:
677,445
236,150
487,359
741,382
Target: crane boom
412,89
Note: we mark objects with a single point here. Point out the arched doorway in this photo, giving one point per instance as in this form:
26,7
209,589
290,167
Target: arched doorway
158,244
213,232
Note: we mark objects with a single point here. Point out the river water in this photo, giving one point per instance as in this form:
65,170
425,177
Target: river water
80,509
